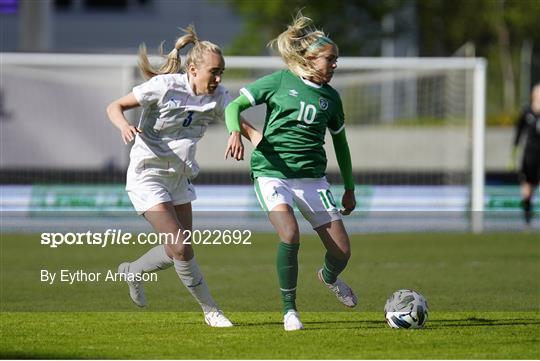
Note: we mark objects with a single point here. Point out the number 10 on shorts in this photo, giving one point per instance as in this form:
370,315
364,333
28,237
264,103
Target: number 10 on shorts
327,199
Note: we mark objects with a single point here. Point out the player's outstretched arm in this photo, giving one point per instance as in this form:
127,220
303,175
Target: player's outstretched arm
519,130
512,162
343,155
250,132
115,111
235,147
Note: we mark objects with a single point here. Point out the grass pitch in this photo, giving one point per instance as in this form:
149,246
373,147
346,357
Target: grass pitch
483,292
335,335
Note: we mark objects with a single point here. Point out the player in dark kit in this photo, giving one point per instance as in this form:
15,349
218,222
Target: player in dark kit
529,123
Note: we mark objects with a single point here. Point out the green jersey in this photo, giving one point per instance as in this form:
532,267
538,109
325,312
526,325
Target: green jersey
297,115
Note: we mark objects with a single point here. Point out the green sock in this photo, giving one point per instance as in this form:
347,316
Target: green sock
332,267
287,269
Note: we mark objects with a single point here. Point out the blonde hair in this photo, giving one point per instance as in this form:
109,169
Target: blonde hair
173,62
299,41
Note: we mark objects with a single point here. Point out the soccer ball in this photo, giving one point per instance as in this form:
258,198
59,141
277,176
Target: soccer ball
406,309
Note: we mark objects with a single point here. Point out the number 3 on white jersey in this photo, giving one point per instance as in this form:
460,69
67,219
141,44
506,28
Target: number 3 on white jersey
189,119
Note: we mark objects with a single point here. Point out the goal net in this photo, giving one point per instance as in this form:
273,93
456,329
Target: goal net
415,126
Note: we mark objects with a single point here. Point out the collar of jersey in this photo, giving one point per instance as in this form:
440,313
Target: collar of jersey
311,84
188,86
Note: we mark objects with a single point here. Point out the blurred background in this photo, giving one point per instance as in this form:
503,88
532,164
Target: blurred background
409,120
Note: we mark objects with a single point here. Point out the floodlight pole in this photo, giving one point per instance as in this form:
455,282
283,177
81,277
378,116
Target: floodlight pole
478,134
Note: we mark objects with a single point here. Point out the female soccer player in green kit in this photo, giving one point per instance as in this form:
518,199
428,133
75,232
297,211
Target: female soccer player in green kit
289,163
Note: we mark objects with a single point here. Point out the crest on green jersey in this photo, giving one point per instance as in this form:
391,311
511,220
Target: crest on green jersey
323,103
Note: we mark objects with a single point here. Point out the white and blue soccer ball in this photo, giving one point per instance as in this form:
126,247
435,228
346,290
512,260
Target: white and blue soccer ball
406,309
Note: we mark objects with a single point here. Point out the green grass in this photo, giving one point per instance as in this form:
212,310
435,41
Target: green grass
337,335
483,292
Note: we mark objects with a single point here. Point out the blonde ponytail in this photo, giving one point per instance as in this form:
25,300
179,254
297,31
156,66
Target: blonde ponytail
173,62
297,42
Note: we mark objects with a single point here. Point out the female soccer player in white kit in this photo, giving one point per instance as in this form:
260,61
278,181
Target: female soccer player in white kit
177,108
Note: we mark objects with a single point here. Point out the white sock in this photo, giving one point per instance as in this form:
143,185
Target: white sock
192,278
153,260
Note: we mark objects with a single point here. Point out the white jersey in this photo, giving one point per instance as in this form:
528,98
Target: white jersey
173,120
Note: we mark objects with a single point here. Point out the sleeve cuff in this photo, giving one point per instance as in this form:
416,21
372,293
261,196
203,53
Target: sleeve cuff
248,95
138,95
334,132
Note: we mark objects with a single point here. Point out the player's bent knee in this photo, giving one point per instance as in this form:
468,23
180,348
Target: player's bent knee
289,238
289,234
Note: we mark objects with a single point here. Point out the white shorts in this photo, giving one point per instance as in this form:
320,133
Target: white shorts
149,187
312,196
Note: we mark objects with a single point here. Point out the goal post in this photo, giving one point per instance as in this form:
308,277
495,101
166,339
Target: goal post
478,141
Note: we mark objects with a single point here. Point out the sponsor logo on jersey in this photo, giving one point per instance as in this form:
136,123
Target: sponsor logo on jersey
293,93
323,103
